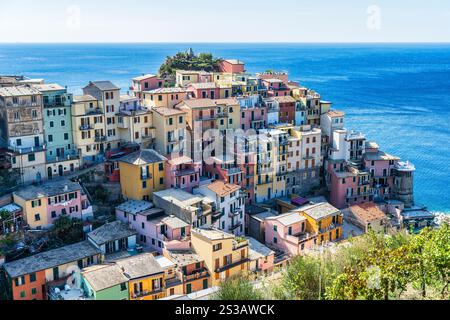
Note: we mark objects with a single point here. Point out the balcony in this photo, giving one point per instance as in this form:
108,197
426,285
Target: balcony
196,275
146,176
308,156
94,111
84,127
234,170
231,265
235,226
24,150
234,213
217,215
185,172
173,282
100,138
144,293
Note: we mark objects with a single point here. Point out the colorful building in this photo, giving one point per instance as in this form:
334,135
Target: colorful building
286,105
228,205
164,97
31,278
114,240
170,131
253,113
190,270
156,230
104,282
61,153
88,128
196,210
135,123
145,277
145,82
109,95
183,173
22,131
44,203
225,255
142,173
231,66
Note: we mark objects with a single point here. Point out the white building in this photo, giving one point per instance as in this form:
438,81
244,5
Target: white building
229,201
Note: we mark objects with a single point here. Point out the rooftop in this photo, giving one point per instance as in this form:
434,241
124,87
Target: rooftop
234,61
257,249
379,155
139,266
285,99
199,103
49,87
135,206
102,277
180,160
203,85
172,221
83,98
48,189
51,259
335,113
143,77
184,257
319,210
178,197
288,218
167,90
111,231
368,212
18,91
164,262
222,188
168,111
11,207
104,85
212,234
143,156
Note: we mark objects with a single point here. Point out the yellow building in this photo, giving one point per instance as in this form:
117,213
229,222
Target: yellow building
228,112
34,206
142,173
134,123
224,254
88,127
146,277
324,220
170,130
164,97
271,165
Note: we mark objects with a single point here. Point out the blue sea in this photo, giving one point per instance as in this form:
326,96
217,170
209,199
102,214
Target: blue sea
397,94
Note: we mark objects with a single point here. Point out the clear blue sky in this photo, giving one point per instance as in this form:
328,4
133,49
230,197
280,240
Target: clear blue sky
225,21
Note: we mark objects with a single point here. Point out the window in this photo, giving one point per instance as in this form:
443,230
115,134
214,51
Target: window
217,247
63,123
31,157
144,184
275,240
50,138
22,294
53,214
33,291
123,286
66,136
180,119
161,180
37,217
160,166
275,228
32,277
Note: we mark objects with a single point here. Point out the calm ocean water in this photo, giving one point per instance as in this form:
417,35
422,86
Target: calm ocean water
399,95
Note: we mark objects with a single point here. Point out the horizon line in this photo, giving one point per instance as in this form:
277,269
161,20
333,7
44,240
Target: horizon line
231,42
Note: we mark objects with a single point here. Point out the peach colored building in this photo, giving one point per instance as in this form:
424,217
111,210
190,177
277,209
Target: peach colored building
231,66
183,173
145,82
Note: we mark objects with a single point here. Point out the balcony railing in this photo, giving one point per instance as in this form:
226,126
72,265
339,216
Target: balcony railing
86,127
235,226
146,293
100,138
21,150
197,275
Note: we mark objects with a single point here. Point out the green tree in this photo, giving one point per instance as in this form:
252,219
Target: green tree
238,288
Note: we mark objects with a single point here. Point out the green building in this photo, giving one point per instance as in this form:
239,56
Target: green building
104,282
61,153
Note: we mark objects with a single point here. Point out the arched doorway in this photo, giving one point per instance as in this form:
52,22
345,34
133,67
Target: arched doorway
49,173
60,170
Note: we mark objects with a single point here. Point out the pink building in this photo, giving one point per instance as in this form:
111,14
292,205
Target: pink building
381,167
203,90
261,257
231,66
66,198
145,82
348,185
253,113
156,230
287,232
183,173
276,87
